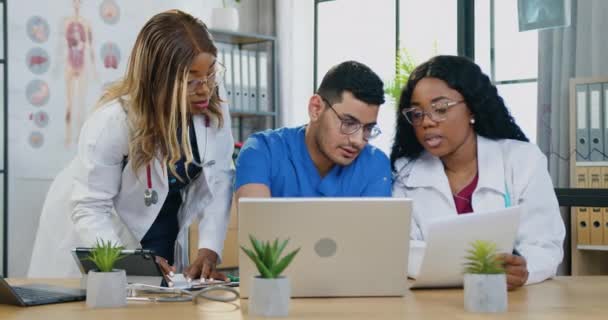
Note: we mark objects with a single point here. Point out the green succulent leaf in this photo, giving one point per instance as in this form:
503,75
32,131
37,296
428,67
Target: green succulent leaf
278,269
482,258
257,246
267,256
258,263
105,254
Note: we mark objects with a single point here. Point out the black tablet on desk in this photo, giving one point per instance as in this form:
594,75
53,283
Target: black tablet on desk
139,264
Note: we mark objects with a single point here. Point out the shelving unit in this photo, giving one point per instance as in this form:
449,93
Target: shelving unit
589,170
250,80
253,107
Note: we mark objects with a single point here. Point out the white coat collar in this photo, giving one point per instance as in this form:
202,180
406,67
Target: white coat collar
204,150
201,131
428,171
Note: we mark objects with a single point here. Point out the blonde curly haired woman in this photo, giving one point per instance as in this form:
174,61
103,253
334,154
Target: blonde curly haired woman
153,157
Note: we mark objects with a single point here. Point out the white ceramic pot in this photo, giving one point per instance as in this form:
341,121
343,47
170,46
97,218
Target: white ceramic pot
225,19
107,289
269,297
485,292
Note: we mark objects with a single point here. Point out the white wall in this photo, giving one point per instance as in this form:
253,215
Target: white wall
295,23
26,195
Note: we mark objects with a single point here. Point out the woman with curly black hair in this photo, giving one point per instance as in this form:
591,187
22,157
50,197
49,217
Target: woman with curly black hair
458,150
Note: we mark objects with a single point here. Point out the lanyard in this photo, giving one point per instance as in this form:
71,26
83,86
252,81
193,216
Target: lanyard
507,197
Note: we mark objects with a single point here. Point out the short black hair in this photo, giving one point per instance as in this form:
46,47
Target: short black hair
492,118
354,77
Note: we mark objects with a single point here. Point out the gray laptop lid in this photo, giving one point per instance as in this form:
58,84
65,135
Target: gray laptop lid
349,246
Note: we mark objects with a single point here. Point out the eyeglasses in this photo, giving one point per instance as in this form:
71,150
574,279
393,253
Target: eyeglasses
438,113
212,81
351,126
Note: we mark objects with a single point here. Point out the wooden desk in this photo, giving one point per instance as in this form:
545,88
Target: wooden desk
562,298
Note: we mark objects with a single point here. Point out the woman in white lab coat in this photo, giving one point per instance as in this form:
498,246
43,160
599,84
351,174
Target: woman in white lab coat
154,156
458,150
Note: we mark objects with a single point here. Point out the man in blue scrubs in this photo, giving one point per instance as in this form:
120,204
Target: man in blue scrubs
328,157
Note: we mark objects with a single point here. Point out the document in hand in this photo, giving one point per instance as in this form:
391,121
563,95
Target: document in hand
448,240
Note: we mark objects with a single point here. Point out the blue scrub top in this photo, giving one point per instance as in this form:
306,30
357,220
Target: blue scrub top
280,160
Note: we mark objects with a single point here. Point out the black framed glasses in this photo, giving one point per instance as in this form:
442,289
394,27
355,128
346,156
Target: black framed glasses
212,81
438,112
351,126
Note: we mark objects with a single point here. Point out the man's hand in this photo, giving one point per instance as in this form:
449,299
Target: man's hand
515,269
204,266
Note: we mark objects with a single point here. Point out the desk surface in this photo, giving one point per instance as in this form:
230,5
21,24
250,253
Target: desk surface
561,298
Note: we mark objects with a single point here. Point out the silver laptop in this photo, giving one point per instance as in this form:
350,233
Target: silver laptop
37,294
349,246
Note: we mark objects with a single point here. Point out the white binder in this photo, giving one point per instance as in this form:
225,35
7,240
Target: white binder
253,81
245,79
238,88
236,123
605,111
596,136
228,78
582,123
263,84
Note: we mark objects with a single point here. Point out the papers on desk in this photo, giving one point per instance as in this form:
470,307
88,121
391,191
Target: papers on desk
448,240
180,282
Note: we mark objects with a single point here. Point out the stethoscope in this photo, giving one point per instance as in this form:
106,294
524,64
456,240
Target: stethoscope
230,294
150,195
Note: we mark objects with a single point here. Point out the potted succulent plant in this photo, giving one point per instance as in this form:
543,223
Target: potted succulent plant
485,282
226,17
270,292
106,286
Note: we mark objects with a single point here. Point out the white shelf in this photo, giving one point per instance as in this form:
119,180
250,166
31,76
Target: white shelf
591,163
592,247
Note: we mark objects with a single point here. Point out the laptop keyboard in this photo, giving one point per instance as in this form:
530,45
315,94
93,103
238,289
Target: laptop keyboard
28,294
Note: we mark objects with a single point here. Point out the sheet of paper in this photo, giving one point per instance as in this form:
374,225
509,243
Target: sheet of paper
180,282
448,240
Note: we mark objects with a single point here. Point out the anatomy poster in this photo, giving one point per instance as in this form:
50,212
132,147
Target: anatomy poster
61,54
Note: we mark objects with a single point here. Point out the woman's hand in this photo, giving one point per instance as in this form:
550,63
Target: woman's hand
204,266
166,269
516,270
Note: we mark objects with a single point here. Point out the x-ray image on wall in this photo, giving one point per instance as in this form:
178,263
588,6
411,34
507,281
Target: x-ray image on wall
543,14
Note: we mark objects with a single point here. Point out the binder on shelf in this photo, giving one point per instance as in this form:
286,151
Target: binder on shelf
229,76
263,84
235,129
253,81
221,51
238,89
604,171
582,226
245,79
581,177
597,233
605,226
596,134
582,126
605,111
594,177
